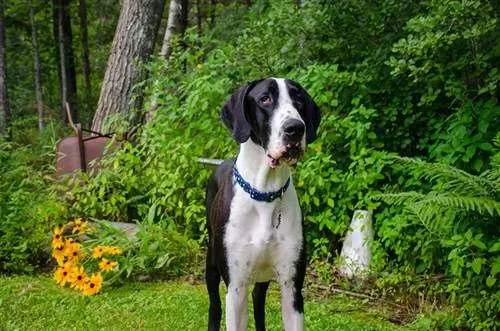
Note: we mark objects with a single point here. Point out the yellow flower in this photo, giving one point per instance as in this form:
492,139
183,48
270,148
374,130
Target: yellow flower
57,238
79,226
115,250
72,252
106,265
99,251
63,274
78,278
93,284
59,254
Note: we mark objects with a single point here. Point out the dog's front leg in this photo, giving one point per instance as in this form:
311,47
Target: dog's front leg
291,280
292,306
236,307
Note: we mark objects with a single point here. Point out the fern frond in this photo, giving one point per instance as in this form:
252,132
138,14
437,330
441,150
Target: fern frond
454,179
399,198
480,205
437,221
493,175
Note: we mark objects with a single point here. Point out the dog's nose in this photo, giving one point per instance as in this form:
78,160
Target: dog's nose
294,129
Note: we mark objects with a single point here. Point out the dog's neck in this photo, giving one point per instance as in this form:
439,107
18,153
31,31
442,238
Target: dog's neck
253,167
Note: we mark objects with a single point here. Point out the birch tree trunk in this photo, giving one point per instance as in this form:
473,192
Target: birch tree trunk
62,62
177,24
132,45
5,113
36,64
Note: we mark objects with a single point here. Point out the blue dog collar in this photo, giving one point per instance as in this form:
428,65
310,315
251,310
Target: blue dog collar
256,194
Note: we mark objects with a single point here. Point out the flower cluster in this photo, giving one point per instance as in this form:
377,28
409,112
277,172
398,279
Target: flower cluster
72,259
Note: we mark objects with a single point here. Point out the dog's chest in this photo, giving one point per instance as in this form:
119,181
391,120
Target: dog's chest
262,238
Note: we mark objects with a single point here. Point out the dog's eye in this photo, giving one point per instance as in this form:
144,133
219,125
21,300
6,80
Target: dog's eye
266,100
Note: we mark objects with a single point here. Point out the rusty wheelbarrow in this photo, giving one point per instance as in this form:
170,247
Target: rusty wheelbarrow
76,153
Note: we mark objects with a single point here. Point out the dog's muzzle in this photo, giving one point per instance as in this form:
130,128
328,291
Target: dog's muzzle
292,147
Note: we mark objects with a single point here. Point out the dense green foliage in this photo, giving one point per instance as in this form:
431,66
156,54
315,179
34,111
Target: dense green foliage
450,227
408,78
28,206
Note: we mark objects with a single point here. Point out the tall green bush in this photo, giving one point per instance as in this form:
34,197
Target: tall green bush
29,207
450,227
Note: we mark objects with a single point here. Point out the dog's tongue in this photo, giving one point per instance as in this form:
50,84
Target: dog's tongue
272,162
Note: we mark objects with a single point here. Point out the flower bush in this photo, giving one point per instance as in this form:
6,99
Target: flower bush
76,259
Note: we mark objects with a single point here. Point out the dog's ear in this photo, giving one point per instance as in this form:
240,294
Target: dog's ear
233,114
312,116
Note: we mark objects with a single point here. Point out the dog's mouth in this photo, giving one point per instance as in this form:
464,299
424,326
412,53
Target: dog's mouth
288,154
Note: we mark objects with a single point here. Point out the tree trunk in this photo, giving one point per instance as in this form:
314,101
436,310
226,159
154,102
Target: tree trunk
213,4
36,63
199,17
177,24
5,113
132,45
62,62
84,37
64,39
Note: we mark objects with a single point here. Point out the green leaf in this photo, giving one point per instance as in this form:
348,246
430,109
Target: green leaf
495,248
486,147
478,164
476,265
495,267
316,201
490,281
483,126
420,268
153,247
161,261
479,244
151,213
330,202
469,153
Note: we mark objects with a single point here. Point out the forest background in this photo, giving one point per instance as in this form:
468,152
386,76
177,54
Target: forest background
409,96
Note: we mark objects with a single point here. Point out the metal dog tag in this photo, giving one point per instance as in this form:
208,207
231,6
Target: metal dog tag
276,219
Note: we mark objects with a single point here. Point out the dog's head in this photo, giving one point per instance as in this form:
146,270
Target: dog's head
275,113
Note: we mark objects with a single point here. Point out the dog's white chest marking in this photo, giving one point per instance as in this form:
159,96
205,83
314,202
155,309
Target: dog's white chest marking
257,249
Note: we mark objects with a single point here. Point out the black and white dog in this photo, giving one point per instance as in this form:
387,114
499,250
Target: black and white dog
254,218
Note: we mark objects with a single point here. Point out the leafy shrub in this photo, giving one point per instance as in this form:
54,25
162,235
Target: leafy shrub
28,207
160,251
464,139
455,217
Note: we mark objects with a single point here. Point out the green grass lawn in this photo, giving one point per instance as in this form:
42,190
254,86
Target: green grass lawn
37,303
